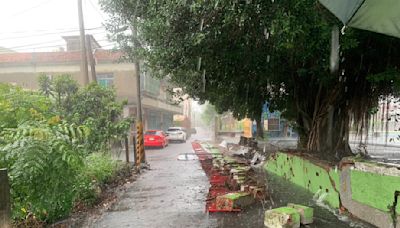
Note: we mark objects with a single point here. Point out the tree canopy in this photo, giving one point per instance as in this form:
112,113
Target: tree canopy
239,54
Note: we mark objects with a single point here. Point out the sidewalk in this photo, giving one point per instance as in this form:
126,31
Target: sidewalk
171,194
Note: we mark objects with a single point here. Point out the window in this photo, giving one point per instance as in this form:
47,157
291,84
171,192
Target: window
150,84
106,80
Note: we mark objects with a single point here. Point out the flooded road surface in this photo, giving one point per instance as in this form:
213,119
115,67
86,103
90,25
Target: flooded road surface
173,194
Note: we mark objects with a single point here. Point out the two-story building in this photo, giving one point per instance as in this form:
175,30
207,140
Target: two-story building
24,68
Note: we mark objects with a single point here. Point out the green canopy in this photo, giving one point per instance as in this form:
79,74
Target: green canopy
382,16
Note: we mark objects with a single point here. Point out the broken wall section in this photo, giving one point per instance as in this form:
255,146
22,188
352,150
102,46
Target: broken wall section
368,190
319,179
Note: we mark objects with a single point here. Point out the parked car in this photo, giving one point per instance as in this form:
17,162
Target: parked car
155,138
177,134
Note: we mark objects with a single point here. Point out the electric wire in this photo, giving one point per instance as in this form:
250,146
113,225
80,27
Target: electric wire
49,42
48,33
97,10
57,46
45,30
30,8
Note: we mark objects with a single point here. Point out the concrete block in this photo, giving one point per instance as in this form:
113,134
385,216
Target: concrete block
234,200
306,213
283,217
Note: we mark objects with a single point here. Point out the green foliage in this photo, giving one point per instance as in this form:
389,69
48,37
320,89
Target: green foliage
64,89
18,106
96,107
43,160
98,169
388,80
45,142
93,106
45,85
239,54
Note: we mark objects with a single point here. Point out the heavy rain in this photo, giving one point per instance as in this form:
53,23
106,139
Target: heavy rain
220,114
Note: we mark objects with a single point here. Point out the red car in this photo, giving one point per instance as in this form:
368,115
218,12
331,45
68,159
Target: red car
155,138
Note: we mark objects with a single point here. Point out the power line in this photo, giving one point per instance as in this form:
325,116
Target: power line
49,33
41,43
49,46
58,46
47,30
30,8
95,8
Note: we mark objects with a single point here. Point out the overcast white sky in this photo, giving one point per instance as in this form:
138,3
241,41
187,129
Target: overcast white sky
37,25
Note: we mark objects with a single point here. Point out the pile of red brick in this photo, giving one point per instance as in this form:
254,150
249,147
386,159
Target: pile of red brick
230,185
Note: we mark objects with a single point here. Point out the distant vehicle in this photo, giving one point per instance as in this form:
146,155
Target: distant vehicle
155,138
177,134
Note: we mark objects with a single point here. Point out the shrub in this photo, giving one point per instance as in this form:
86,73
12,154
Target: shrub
50,157
99,168
43,161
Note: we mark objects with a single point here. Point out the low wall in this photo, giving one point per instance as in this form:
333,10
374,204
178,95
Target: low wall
366,189
318,179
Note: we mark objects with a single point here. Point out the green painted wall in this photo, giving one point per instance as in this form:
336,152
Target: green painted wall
308,175
369,188
374,189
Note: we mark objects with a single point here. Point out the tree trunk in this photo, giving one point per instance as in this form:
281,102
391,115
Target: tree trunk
329,134
260,129
323,124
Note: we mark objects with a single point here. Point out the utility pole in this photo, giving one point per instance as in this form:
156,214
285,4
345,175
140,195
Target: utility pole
91,58
140,152
127,149
84,63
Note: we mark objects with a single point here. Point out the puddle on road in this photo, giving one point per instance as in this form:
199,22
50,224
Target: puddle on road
187,157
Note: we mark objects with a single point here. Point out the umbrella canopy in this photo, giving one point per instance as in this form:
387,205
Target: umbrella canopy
382,16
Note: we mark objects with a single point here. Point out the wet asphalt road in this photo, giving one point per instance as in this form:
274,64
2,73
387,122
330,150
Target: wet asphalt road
171,194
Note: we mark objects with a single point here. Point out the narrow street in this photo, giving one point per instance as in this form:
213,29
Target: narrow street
171,194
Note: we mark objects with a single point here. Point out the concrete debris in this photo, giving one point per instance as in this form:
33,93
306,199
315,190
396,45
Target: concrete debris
283,217
232,186
223,144
306,213
242,151
234,200
257,159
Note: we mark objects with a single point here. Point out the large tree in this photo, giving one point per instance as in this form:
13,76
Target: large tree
239,54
